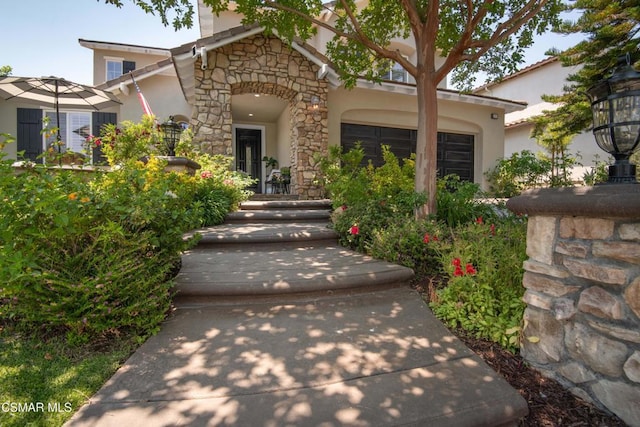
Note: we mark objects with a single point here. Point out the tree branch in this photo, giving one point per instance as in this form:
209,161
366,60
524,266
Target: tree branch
504,30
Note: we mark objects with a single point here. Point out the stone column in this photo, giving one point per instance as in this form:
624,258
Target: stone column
582,280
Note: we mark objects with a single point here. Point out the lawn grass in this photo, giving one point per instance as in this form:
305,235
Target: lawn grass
43,382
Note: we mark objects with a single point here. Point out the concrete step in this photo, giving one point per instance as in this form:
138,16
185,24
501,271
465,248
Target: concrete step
323,204
271,269
262,232
278,215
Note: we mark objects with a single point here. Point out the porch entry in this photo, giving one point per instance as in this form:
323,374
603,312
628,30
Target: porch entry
249,154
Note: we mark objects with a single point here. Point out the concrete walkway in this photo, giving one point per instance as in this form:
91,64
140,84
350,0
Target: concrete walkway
293,330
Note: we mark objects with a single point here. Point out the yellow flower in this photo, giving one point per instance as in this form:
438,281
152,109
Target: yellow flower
85,200
73,196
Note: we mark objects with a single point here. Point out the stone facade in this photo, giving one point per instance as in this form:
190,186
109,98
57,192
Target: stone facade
263,65
582,280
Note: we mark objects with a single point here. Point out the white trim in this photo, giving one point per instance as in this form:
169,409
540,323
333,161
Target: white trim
263,148
116,87
121,47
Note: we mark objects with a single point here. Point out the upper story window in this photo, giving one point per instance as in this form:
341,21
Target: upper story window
394,72
118,67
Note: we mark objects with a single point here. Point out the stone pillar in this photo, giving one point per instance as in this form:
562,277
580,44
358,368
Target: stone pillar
582,280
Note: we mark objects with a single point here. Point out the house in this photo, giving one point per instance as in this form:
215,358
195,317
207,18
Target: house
546,77
248,94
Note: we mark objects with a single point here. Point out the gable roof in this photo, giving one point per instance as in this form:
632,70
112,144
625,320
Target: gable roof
185,56
124,47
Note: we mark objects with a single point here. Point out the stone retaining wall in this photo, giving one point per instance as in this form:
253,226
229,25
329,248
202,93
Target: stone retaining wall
582,280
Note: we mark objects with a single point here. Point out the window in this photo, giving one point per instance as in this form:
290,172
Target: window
394,72
118,67
114,69
74,129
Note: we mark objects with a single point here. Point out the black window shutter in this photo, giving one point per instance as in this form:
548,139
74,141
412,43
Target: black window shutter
100,119
128,66
29,137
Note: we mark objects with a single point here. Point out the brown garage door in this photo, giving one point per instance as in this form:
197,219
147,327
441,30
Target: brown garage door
455,151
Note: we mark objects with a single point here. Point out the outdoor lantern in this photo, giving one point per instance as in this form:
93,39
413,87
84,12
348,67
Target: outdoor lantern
172,132
615,103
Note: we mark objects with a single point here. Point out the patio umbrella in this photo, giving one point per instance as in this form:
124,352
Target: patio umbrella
56,93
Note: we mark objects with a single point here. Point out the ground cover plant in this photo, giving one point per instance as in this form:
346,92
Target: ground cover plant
86,266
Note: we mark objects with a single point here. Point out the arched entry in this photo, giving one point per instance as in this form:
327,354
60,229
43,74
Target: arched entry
264,65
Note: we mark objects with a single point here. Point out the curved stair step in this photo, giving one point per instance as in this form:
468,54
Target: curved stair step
261,232
283,271
274,215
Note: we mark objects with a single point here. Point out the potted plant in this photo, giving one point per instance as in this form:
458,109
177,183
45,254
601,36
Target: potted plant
271,162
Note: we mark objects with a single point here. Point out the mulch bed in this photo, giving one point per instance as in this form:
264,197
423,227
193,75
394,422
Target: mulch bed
550,403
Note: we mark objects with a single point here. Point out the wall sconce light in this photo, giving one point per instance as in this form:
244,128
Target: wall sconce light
495,116
615,104
315,102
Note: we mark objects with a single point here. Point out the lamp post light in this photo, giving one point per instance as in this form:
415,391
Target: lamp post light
172,132
615,103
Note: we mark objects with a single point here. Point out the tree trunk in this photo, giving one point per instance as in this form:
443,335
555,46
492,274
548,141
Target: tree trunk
427,142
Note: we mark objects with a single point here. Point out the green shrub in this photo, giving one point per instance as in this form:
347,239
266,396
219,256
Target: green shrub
519,172
343,177
415,244
91,257
458,203
219,189
367,198
484,290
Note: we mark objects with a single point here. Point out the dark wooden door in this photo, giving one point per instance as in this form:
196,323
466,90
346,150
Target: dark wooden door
249,156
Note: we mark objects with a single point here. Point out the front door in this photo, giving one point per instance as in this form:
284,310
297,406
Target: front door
249,156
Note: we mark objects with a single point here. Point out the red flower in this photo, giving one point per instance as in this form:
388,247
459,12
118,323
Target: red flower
492,229
206,174
458,272
456,262
344,207
425,239
354,230
470,269
479,220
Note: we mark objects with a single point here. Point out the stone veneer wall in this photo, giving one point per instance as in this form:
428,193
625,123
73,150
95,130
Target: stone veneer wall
582,280
266,66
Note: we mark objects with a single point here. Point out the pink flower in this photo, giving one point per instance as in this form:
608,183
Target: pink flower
354,230
470,270
206,174
228,182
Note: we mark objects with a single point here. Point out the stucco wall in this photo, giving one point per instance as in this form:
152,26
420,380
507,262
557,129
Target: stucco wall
100,64
529,86
164,95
